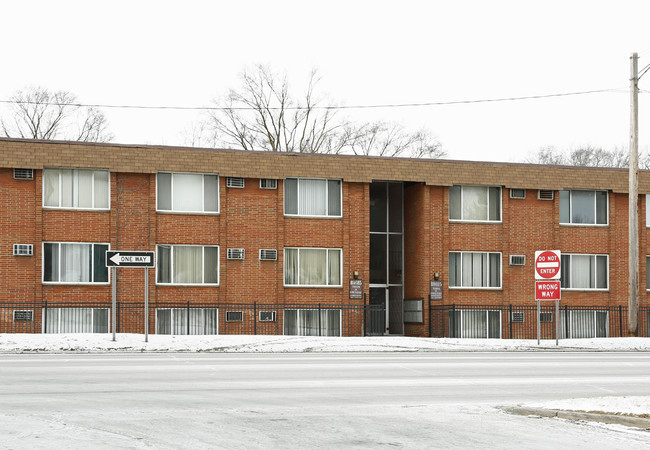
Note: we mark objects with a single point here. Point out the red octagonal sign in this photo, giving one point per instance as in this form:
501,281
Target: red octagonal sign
547,264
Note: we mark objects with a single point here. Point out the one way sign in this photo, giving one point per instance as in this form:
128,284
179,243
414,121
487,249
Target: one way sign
130,259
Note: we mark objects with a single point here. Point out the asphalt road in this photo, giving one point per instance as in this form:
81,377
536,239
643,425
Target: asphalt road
352,400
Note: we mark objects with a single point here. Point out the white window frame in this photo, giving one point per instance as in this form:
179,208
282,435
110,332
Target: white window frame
92,258
571,224
568,333
325,216
487,312
171,265
202,320
92,194
174,211
570,255
462,186
58,325
299,319
492,288
284,268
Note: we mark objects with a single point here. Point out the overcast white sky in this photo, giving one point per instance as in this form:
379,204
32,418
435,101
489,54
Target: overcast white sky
368,52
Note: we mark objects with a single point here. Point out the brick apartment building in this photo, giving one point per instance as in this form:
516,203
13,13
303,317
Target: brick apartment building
257,242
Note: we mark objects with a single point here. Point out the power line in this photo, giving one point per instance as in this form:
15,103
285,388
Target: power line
377,106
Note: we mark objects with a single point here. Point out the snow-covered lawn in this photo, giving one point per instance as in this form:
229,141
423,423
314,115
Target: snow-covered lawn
16,343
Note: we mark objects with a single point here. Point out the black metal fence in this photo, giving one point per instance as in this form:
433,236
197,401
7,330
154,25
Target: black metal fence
195,319
520,321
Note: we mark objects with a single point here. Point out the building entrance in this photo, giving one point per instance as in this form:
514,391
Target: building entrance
386,253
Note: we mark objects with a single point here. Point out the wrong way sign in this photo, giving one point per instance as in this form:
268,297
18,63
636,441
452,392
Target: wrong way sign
130,259
547,264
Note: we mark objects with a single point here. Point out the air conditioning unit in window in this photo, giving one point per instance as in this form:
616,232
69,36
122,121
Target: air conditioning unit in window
267,316
24,174
236,253
545,194
234,182
268,183
517,260
546,317
23,250
517,317
517,193
268,254
234,316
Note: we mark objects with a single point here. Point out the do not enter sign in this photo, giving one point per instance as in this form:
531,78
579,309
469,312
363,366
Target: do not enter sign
547,264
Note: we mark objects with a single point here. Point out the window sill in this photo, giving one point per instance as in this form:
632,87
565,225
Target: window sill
585,289
317,286
298,216
188,284
72,283
191,213
587,225
465,288
475,221
56,208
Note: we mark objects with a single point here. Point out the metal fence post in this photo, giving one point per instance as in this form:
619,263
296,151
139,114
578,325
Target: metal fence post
117,320
453,320
254,317
45,318
510,319
620,320
566,321
188,318
430,327
319,324
365,315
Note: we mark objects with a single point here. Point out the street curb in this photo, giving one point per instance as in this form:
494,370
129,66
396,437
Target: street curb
628,421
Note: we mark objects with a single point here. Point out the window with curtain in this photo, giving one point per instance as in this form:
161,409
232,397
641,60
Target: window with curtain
187,264
584,324
76,188
475,269
76,320
74,263
312,267
475,203
584,207
312,197
584,272
305,322
187,192
175,321
475,324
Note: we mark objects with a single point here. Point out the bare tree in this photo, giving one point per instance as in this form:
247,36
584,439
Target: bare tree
264,115
588,155
37,113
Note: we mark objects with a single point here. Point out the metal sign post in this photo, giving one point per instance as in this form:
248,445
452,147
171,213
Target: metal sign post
548,267
115,259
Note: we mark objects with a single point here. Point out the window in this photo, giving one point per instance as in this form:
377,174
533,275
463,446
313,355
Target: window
68,263
517,193
647,210
187,192
76,188
413,311
312,267
76,320
305,322
474,269
268,183
175,321
475,203
583,207
475,324
584,324
188,264
585,271
312,197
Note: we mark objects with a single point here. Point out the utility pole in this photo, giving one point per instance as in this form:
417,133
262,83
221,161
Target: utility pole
633,198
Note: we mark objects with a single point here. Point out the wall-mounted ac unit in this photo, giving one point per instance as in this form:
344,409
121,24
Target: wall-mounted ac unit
546,317
517,260
517,193
24,174
545,194
268,183
517,317
23,250
236,253
267,254
234,182
234,316
24,315
267,316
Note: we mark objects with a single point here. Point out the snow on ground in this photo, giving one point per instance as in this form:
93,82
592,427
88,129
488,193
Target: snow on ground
627,405
18,343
